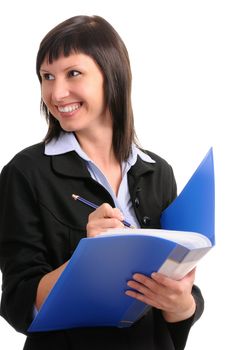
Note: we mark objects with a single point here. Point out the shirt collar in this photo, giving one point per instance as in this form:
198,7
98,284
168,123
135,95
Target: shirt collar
67,142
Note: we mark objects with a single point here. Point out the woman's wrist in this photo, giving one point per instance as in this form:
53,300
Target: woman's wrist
182,315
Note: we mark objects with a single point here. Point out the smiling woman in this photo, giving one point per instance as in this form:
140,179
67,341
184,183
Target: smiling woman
90,149
73,91
97,39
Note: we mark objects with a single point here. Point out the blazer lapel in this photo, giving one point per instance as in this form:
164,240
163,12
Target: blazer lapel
70,164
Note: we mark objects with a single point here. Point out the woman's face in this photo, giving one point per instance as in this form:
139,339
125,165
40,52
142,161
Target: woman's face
72,89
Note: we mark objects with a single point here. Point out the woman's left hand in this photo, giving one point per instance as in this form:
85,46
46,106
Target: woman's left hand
174,298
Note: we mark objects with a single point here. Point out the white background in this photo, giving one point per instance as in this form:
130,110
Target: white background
181,60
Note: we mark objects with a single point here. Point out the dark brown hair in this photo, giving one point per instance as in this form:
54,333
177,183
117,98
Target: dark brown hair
95,37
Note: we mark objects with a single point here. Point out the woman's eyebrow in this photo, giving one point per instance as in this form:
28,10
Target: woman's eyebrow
76,66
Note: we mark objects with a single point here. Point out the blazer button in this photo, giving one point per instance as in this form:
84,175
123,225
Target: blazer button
146,220
137,202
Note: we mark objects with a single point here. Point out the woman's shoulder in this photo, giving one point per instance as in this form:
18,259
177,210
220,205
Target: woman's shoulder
28,156
157,159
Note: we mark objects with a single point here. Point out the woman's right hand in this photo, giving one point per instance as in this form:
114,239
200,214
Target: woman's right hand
103,218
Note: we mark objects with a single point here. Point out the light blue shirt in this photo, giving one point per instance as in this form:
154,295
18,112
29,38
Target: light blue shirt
67,142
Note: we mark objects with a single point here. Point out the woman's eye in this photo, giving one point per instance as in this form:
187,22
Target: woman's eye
48,76
73,73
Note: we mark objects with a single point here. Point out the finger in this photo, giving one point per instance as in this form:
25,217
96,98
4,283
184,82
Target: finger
102,211
144,285
174,290
154,288
153,297
149,299
106,211
169,282
192,274
144,280
141,297
138,287
150,282
149,291
118,214
163,280
98,226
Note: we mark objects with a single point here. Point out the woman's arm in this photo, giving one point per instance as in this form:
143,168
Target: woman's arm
46,284
100,220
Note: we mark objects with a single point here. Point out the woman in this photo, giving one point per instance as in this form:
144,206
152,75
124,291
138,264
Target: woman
90,148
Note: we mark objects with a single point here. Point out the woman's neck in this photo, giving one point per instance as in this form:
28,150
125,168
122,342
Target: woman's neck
100,151
99,148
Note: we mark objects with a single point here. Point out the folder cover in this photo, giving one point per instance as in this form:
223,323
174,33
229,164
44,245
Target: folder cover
91,290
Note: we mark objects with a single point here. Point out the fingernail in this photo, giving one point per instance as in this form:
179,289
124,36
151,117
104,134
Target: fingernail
121,217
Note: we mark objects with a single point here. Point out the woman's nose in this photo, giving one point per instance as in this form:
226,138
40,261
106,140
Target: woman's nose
60,90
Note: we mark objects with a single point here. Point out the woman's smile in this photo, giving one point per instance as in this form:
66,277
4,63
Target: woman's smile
72,89
69,108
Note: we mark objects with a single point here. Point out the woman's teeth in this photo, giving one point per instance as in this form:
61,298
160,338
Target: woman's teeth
68,109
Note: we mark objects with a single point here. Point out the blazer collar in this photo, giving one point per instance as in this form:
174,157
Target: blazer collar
70,164
70,160
141,167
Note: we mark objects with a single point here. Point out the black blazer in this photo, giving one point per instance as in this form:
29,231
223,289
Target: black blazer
40,226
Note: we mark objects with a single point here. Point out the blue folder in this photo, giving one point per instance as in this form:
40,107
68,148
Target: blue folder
194,209
91,290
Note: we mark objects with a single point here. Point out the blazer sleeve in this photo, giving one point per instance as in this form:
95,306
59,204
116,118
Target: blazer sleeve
22,251
179,331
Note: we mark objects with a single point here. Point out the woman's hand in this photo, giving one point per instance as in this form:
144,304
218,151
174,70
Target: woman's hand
174,298
104,218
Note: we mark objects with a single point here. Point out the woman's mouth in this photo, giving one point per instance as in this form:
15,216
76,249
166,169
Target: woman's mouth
69,108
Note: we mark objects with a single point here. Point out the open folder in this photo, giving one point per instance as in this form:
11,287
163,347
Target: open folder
91,290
